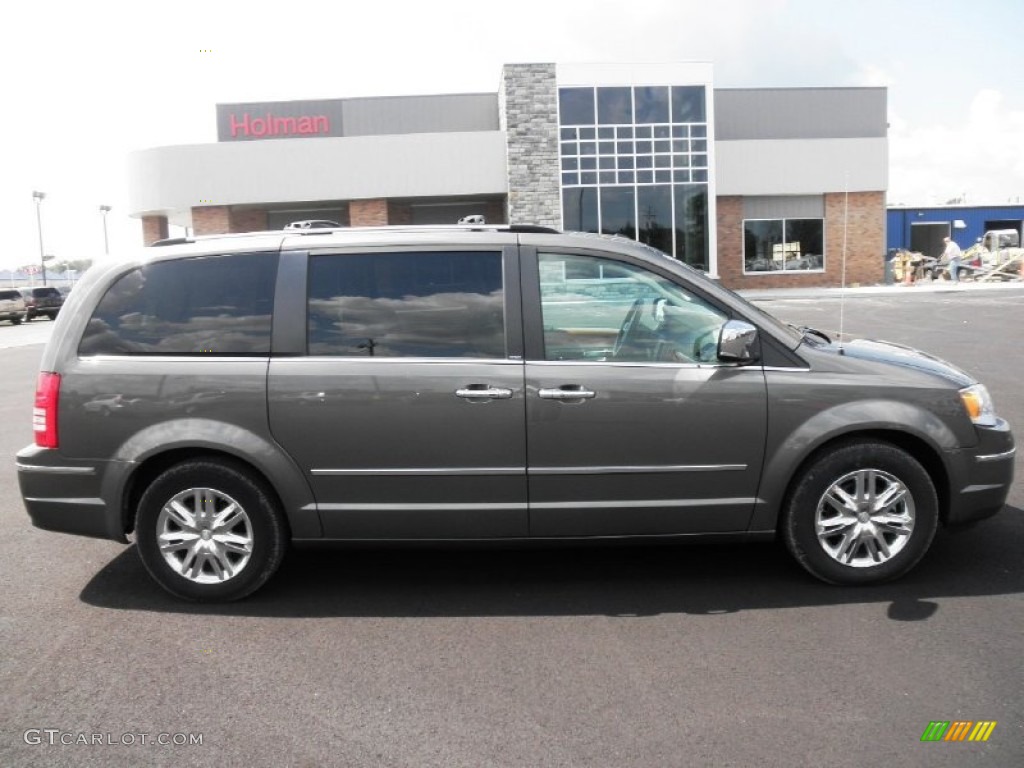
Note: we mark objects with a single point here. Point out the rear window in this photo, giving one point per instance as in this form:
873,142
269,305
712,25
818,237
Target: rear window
8,295
45,293
208,306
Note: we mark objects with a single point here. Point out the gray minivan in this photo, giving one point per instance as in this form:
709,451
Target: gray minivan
222,397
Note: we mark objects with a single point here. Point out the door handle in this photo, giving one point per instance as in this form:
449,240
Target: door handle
483,392
567,392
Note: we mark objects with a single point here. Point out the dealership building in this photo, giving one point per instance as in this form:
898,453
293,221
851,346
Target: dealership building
759,187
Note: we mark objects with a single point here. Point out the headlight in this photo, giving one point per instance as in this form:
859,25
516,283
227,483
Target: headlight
978,404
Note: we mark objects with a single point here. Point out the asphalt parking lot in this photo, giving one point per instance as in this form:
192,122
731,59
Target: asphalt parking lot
670,656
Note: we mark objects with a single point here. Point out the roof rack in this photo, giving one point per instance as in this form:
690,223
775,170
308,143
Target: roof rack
513,228
520,229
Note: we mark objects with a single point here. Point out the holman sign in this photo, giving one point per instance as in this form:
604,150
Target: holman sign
279,120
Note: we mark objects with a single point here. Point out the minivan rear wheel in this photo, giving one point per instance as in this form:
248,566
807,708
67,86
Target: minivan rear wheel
863,512
208,530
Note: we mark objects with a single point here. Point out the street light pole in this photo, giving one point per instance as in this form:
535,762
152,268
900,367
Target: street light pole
105,209
39,197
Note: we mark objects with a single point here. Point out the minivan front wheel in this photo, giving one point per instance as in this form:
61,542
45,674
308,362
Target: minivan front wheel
863,512
209,531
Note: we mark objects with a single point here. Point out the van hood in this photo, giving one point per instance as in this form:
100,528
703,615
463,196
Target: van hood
905,357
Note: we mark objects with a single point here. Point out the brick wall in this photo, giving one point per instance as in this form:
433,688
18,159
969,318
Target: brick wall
221,219
211,220
865,245
248,220
153,228
368,213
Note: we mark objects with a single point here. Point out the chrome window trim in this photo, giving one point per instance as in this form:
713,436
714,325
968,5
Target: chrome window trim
177,358
641,364
397,360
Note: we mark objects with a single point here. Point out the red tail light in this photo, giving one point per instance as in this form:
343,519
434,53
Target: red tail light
44,415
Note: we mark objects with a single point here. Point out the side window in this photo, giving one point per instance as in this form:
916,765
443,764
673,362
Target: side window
214,305
409,304
602,310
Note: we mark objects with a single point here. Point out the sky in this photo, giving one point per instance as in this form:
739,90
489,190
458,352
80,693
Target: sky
85,84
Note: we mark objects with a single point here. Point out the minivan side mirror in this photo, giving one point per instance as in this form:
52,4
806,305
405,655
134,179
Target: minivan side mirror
737,342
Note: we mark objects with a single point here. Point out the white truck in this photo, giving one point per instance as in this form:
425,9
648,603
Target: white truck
1001,256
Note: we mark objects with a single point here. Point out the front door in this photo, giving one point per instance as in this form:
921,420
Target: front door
634,427
407,413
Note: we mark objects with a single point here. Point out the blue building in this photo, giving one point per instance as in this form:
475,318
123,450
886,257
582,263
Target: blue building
922,229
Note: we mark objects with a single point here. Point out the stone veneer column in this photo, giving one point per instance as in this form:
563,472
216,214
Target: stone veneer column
528,107
154,228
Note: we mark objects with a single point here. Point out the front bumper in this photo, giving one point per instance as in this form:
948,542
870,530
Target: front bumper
67,495
981,477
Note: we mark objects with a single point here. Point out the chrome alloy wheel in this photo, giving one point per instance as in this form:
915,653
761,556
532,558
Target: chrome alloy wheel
204,535
865,518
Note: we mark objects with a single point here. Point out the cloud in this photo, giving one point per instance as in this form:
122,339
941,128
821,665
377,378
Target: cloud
980,156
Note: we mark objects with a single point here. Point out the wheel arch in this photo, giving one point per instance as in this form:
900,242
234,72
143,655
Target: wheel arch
299,511
920,449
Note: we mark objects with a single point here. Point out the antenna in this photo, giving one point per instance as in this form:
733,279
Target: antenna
842,290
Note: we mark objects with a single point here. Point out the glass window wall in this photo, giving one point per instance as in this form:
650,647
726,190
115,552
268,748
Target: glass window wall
634,162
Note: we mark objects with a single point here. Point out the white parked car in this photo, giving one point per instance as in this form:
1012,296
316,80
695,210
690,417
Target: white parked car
12,306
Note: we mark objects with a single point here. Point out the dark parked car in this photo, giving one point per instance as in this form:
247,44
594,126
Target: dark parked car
43,300
222,397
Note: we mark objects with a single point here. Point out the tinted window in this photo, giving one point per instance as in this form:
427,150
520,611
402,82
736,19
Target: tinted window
605,311
652,105
688,104
43,293
579,209
218,305
431,304
614,105
576,106
772,245
7,295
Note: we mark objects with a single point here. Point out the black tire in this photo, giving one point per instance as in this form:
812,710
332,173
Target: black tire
871,541
15,321
202,571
